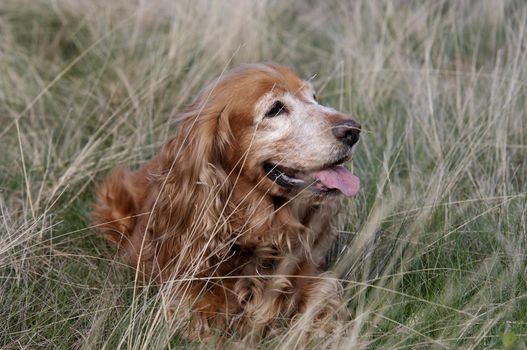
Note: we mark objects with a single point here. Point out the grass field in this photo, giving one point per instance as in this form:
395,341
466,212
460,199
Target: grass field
433,249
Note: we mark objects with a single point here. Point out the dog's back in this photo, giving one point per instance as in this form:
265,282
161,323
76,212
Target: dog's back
120,198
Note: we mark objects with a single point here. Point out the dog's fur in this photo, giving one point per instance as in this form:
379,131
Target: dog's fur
237,250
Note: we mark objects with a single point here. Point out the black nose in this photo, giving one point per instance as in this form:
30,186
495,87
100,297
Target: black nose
347,131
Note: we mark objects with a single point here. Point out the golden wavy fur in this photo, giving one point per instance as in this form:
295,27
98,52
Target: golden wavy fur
234,216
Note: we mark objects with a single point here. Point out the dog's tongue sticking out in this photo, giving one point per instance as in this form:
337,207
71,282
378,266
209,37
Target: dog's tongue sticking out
339,178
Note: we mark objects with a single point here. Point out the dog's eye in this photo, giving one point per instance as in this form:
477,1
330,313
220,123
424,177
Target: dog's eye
277,108
315,97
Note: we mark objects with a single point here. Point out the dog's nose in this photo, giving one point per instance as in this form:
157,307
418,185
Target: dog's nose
347,131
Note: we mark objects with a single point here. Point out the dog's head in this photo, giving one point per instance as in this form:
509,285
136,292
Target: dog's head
262,124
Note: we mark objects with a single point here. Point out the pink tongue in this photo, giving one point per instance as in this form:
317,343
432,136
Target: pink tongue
340,178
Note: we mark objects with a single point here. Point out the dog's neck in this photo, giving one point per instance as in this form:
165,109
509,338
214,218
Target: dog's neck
278,201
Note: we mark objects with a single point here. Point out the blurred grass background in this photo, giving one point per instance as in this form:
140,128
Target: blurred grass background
433,249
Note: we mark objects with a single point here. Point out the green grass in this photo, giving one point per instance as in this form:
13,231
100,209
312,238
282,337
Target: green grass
433,249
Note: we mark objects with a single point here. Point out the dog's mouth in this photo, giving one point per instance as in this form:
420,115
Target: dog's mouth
332,179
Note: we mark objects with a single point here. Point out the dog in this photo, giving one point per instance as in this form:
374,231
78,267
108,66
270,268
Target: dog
234,217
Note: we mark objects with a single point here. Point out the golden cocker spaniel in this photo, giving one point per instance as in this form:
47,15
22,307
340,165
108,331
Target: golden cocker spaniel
235,214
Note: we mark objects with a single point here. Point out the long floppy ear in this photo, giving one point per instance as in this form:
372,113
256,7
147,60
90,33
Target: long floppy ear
190,211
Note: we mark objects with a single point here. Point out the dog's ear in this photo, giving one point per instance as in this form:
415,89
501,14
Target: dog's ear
194,189
199,146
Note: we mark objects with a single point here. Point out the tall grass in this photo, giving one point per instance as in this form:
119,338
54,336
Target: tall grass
432,252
